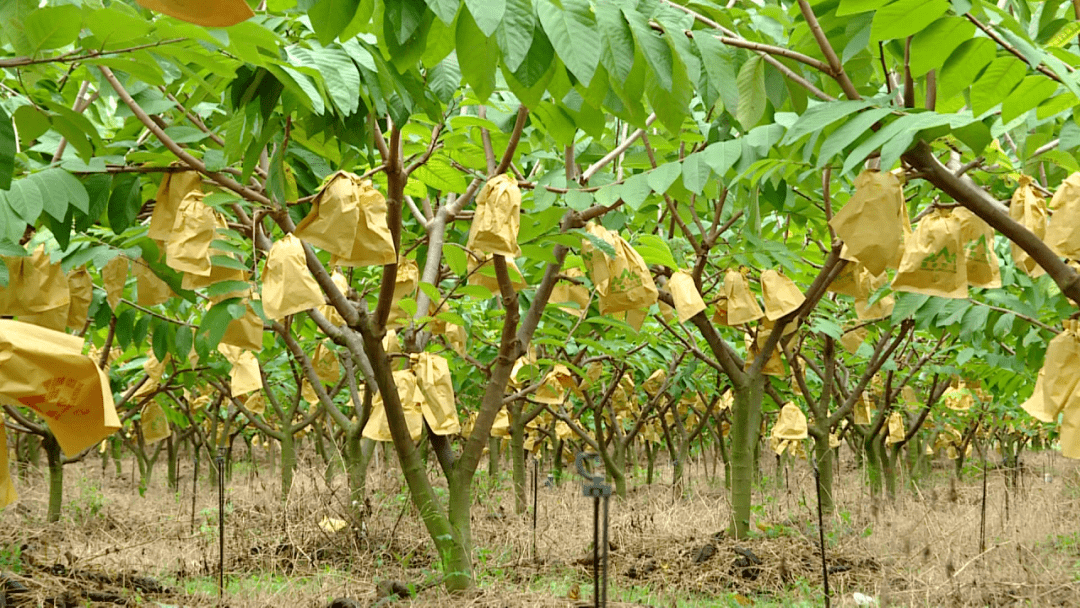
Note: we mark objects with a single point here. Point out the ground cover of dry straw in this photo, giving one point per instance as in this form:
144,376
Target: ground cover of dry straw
115,547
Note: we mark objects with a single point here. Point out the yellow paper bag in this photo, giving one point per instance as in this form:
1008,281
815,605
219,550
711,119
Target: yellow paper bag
155,426
187,248
933,261
685,294
334,218
653,383
501,426
46,371
790,424
330,225
174,187
455,336
154,371
435,391
245,332
495,224
8,494
244,377
1058,379
567,292
1063,232
782,296
742,306
328,310
81,289
482,273
256,403
408,277
896,429
864,410
35,286
113,277
553,390
1029,209
852,339
774,366
910,397
326,364
307,392
151,289
377,427
288,287
871,224
623,281
983,268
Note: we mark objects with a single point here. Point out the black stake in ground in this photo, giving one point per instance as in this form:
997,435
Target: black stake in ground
821,535
221,524
982,520
595,488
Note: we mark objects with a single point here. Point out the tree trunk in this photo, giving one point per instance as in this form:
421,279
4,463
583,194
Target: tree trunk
517,456
288,463
744,438
173,474
494,444
874,458
650,455
56,476
823,455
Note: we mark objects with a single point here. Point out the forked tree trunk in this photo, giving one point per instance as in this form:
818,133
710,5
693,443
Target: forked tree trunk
56,476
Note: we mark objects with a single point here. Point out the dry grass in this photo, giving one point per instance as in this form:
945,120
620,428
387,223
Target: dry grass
920,550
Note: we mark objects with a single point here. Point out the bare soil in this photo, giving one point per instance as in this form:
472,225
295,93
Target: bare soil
667,546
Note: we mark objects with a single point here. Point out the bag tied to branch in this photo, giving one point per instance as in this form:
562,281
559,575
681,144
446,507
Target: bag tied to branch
782,296
81,289
790,428
288,287
1057,388
872,223
1063,232
566,291
377,427
371,243
151,289
495,224
174,187
983,267
622,278
435,391
245,332
8,494
155,426
46,371
187,248
685,294
933,261
1029,209
742,305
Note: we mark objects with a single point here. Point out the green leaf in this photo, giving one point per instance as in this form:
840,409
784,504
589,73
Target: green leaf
457,259
478,55
573,34
125,325
719,63
722,155
963,65
696,172
654,250
330,17
1004,325
438,174
975,135
226,287
852,7
849,132
906,305
125,202
488,14
596,241
751,83
617,54
821,115
63,190
7,150
53,27
662,177
515,33
26,200
1000,78
903,130
1032,91
933,45
906,17
183,342
653,47
340,75
117,23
